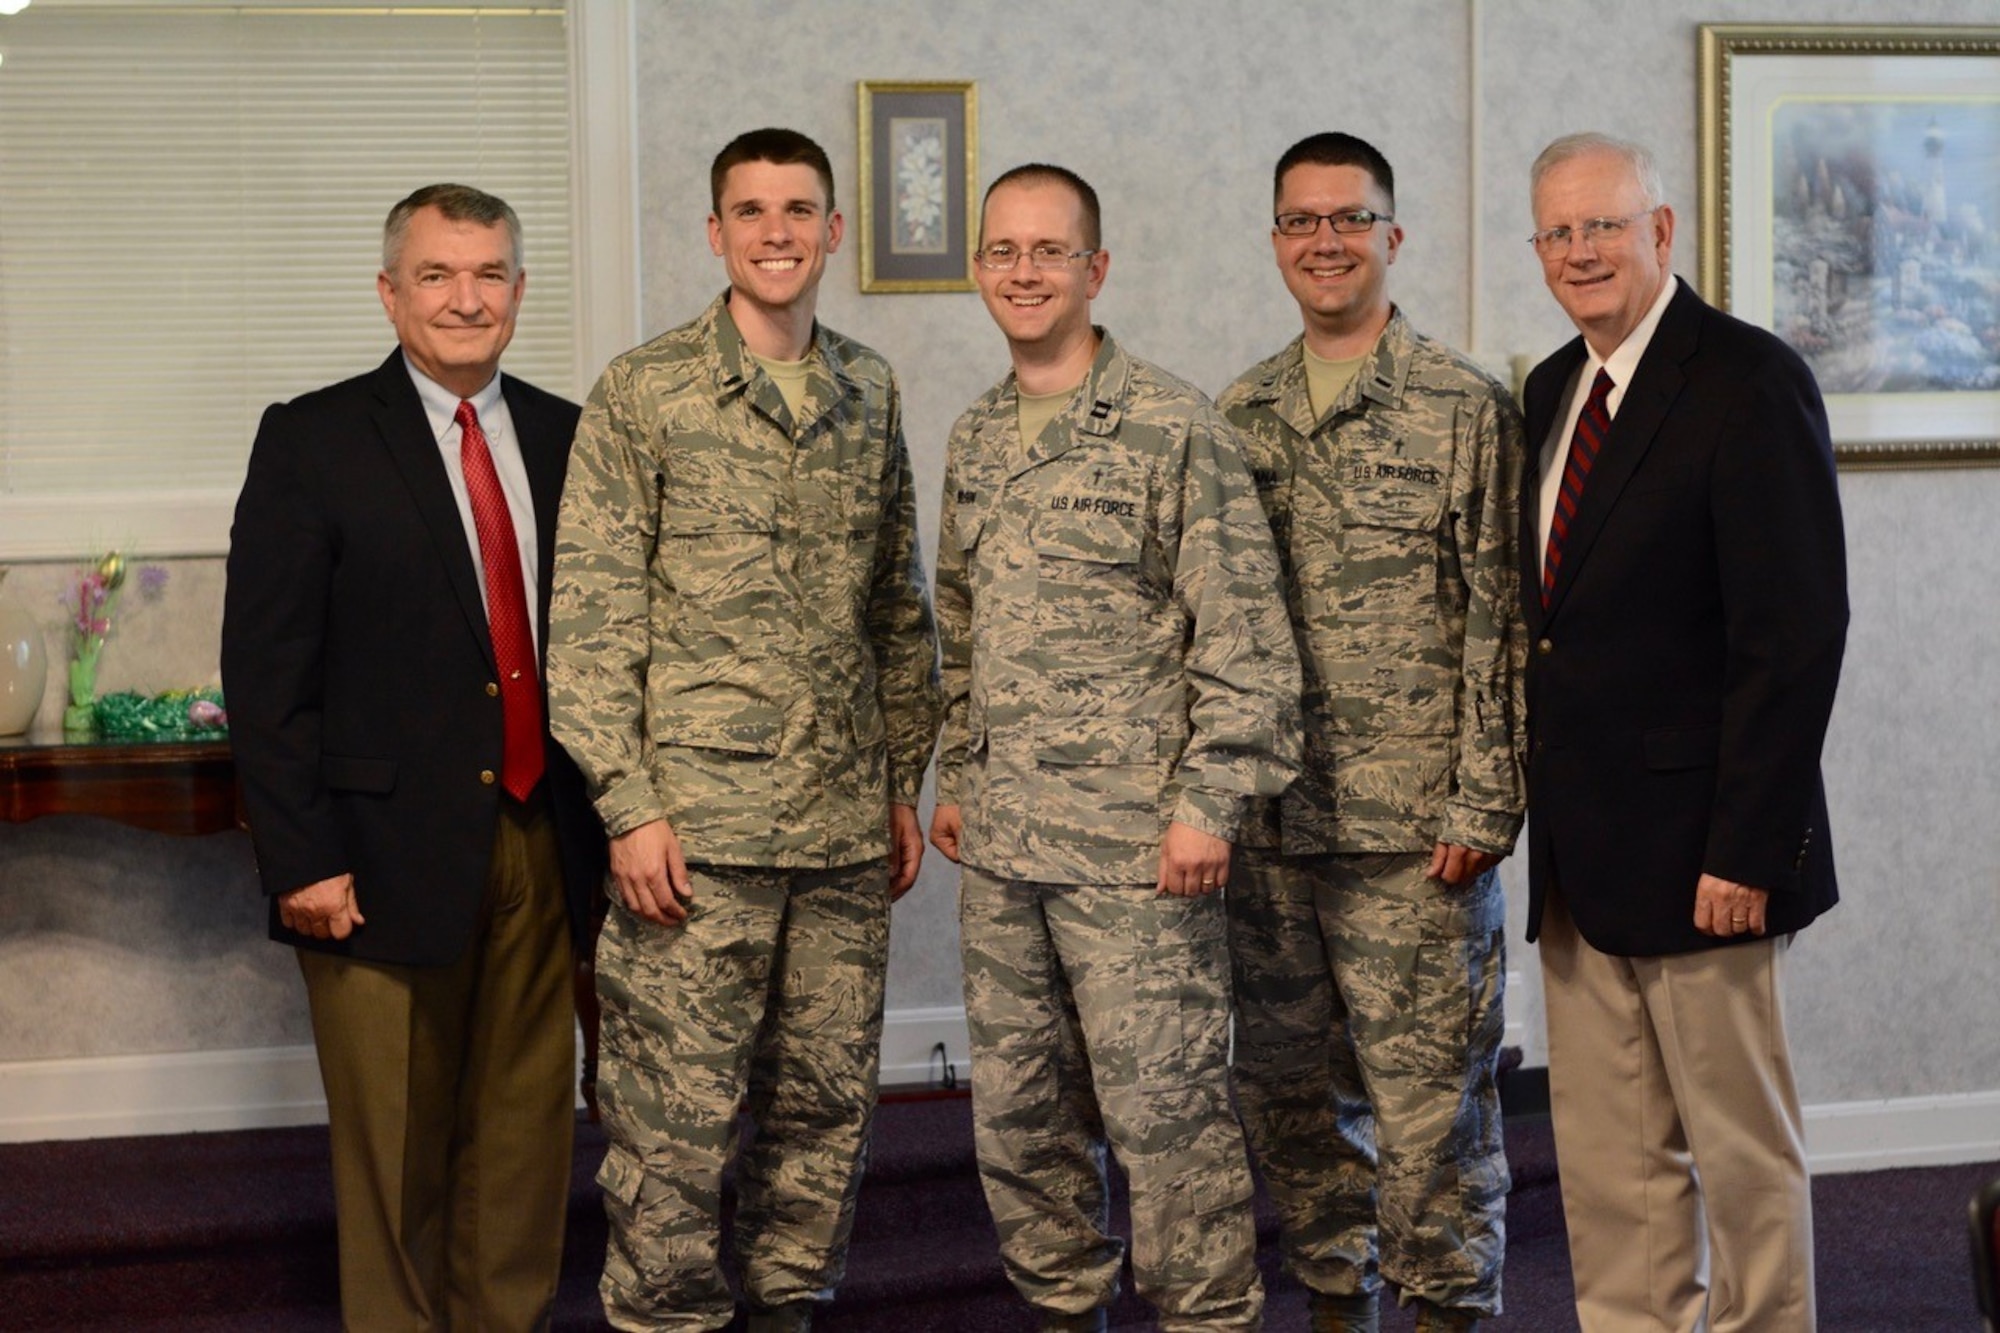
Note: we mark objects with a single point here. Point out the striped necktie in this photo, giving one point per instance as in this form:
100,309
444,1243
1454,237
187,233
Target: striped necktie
1591,428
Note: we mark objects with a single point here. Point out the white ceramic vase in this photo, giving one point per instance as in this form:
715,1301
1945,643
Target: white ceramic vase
24,664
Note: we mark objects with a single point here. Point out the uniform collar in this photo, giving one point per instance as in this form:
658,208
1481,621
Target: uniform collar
1382,378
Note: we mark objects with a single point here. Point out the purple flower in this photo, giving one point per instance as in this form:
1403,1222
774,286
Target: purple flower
152,581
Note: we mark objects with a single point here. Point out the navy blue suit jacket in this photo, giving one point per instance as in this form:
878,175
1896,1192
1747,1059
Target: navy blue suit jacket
1681,677
357,663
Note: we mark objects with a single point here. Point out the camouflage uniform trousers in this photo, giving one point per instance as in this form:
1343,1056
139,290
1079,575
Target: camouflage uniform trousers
1140,982
1367,1043
773,986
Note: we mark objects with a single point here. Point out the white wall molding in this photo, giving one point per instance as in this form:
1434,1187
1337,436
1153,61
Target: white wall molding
259,1089
604,200
1903,1131
910,1038
114,1095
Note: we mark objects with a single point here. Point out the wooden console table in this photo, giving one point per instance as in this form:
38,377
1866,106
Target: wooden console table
186,787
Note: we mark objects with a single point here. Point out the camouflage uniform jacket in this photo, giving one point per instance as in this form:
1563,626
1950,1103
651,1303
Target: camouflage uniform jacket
739,641
1115,646
1394,517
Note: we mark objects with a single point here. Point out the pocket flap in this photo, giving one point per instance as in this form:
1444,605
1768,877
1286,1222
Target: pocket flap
1097,740
1670,748
747,509
348,772
1109,535
621,1176
715,717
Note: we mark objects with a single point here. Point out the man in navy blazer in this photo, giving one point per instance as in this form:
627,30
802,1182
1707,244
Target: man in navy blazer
431,905
1683,575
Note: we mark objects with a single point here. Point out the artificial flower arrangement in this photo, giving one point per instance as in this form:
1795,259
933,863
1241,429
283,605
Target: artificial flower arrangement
125,715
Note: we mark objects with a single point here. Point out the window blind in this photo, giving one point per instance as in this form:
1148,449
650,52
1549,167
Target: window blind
191,204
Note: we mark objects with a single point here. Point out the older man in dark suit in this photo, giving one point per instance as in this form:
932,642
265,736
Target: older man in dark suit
1684,582
415,827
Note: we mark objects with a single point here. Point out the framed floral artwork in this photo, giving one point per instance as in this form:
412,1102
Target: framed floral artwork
1850,203
919,169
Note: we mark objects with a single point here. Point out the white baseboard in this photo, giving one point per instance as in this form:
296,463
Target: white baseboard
109,1096
1903,1131
910,1038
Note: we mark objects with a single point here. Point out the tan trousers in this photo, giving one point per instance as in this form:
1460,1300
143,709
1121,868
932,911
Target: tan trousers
1678,1135
451,1110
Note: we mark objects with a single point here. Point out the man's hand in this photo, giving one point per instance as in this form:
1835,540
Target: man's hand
325,911
1724,908
1192,863
906,849
946,829
1457,865
651,875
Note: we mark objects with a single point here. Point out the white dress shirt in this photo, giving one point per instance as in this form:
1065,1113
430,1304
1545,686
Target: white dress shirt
441,408
1622,365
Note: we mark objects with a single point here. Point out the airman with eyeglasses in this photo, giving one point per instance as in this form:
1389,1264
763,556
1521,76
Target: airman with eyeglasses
1100,551
1387,464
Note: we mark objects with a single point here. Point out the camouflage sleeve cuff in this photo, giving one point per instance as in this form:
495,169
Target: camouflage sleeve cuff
906,784
1482,830
1216,813
628,804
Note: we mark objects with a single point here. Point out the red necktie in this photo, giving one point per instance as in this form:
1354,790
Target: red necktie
521,757
1591,428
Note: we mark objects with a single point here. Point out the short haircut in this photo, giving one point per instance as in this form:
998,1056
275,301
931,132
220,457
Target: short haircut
1042,173
1637,158
1335,149
458,203
778,146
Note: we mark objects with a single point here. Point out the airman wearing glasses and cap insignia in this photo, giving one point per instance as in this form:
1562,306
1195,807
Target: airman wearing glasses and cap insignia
1120,680
1365,918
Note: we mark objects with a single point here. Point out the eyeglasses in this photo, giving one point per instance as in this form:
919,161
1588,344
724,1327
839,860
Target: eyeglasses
1552,241
1000,257
1353,222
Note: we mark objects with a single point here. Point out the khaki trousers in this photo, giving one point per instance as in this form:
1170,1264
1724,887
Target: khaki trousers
1679,1138
451,1111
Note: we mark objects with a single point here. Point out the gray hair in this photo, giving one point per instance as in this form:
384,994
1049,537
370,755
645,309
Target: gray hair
458,203
1637,158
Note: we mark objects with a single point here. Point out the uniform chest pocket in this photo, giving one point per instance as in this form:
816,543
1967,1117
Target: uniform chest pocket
717,543
1089,591
1392,528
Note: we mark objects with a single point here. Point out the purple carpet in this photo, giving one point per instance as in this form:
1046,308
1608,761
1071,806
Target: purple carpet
225,1233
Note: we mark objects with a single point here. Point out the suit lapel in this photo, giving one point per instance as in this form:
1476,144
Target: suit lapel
1657,382
1543,401
399,416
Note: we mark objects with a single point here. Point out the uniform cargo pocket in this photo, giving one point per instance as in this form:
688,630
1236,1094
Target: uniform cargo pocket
621,1177
1100,780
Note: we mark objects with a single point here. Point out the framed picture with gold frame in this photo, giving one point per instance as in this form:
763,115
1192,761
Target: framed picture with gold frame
1850,203
919,172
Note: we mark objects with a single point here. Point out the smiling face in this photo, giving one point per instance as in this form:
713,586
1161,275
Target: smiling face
1045,313
453,298
774,232
1606,287
1341,281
